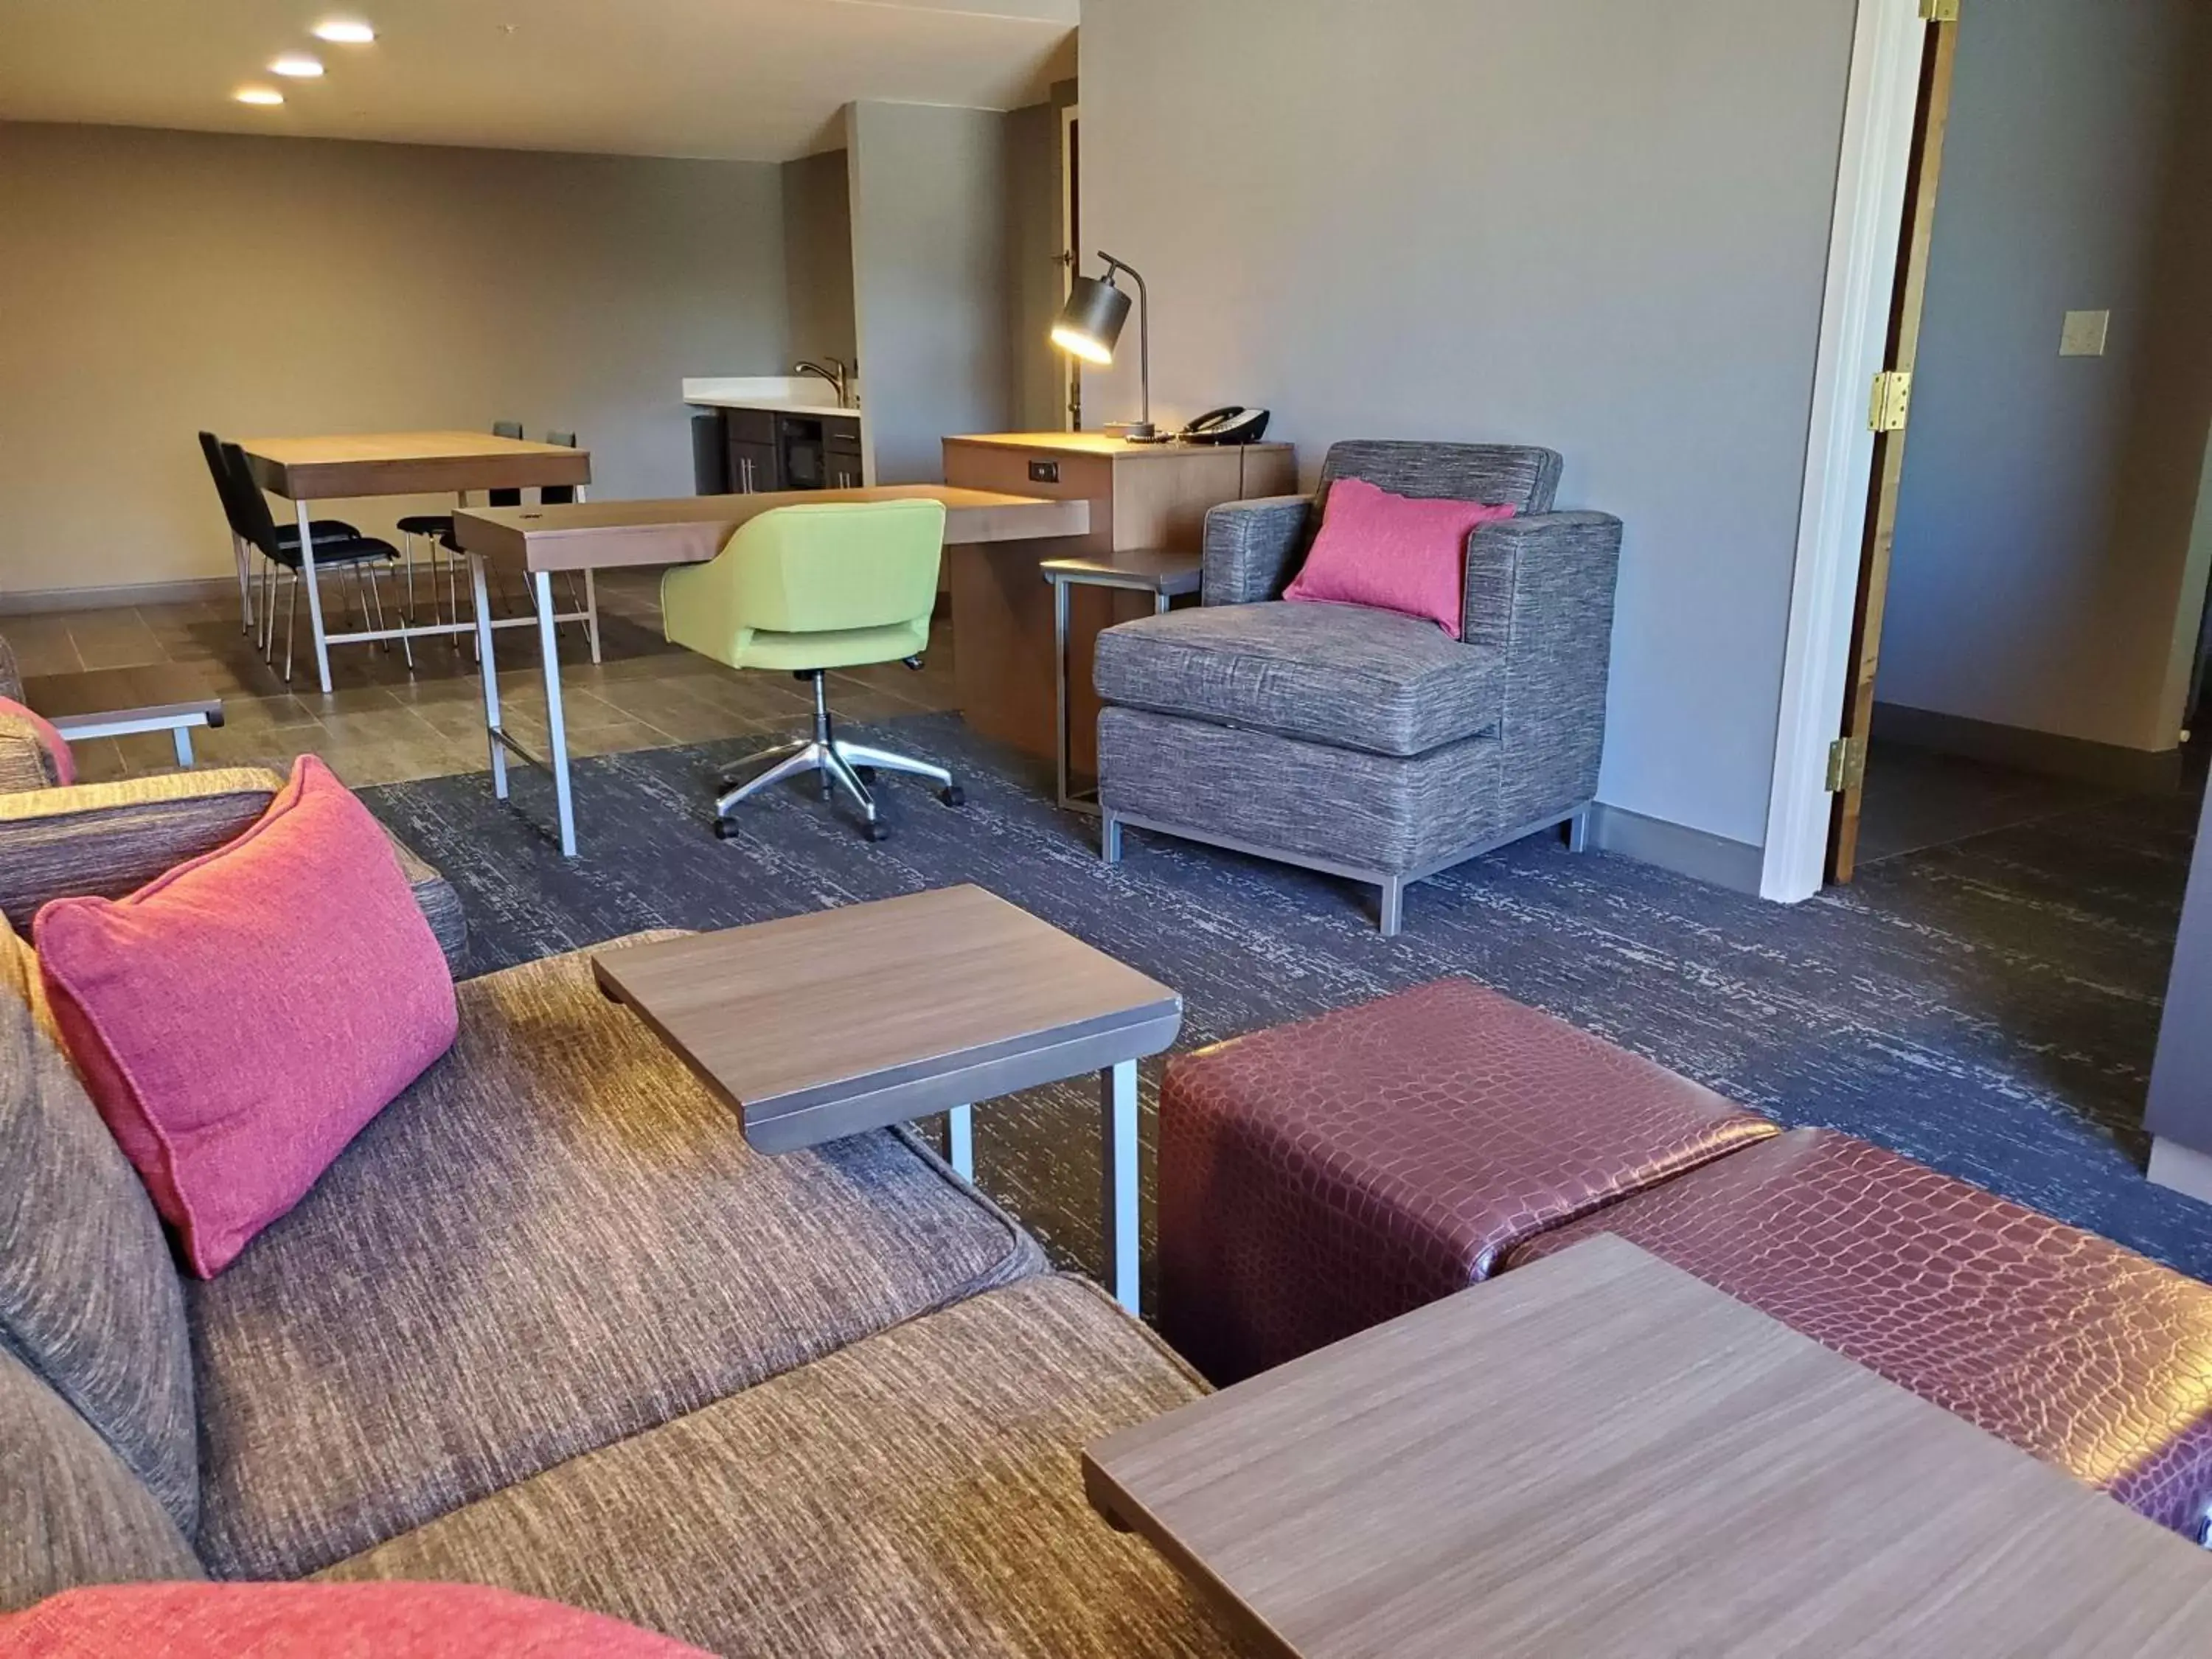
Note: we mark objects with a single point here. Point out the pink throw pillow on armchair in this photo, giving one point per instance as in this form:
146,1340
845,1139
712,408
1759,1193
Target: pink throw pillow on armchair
1392,552
237,1020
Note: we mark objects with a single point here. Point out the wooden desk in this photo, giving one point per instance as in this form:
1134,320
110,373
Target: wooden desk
816,1027
692,529
1142,495
541,540
1599,1455
304,470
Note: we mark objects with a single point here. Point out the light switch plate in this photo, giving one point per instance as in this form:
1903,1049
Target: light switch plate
2083,336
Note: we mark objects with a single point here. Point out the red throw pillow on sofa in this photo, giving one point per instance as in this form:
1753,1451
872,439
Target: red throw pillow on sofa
1392,552
239,1019
320,1621
59,761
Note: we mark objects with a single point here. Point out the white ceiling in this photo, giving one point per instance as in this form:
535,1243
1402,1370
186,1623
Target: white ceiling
757,80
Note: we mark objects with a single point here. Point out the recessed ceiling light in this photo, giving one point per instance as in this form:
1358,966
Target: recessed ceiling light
344,32
259,95
297,65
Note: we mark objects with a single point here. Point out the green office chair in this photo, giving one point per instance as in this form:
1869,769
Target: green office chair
807,589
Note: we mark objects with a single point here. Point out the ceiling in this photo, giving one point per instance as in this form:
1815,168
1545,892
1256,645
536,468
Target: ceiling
753,80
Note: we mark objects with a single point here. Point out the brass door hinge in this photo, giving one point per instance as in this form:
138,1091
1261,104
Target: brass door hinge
1939,11
1847,758
1892,401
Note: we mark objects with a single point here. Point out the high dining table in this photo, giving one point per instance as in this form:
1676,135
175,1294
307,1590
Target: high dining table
540,541
304,470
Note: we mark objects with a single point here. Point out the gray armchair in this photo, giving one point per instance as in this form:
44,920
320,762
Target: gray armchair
1360,742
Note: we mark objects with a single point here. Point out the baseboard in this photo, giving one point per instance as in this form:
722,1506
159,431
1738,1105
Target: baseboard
1735,865
34,600
2183,1169
2148,771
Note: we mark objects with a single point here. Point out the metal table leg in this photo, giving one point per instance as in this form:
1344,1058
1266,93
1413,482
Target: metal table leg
1060,683
245,586
314,598
488,669
1117,1090
182,735
556,725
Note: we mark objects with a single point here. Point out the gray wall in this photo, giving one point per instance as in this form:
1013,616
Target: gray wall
1588,224
818,256
1039,390
152,283
930,265
2042,576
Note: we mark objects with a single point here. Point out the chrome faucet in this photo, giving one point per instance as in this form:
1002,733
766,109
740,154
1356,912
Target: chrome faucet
838,373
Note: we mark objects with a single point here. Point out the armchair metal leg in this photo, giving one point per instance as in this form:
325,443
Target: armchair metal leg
1578,827
1393,905
1109,839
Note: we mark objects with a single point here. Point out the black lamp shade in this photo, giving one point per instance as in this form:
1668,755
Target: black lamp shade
1090,322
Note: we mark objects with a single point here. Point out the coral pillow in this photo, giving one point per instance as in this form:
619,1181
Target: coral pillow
320,1621
1392,552
56,745
239,1019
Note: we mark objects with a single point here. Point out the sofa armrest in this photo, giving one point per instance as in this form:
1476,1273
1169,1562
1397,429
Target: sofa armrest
11,680
109,839
25,763
104,840
1249,547
1540,590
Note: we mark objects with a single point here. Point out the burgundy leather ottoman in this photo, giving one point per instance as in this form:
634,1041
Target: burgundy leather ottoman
2086,1354
1320,1178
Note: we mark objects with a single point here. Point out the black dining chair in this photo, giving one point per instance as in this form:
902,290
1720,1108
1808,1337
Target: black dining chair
324,529
436,530
363,555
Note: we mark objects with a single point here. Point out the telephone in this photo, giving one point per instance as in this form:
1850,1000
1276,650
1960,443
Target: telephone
1231,423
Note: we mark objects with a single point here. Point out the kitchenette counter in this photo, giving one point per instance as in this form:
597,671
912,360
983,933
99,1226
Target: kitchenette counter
780,394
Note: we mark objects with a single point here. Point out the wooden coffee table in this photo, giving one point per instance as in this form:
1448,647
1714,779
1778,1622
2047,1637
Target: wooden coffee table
1599,1455
114,703
820,1026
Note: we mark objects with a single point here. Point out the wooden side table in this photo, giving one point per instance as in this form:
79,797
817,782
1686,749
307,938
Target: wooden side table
115,703
1598,1454
1164,575
816,1027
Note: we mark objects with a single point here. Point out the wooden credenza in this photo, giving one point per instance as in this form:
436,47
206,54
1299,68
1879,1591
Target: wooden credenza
1142,495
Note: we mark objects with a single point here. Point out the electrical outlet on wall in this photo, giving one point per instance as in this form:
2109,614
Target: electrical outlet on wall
2083,335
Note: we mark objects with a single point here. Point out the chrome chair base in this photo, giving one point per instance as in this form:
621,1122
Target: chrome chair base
838,764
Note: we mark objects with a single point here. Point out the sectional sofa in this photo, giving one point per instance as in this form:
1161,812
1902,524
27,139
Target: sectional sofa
549,1324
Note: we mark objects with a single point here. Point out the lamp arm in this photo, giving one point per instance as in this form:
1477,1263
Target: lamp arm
1143,331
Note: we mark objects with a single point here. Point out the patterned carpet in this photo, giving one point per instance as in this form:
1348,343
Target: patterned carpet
1989,1007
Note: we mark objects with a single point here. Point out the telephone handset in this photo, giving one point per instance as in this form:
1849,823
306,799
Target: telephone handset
1231,423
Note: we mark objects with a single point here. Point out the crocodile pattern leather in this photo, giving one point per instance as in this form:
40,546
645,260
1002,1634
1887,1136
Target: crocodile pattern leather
1320,1178
2068,1345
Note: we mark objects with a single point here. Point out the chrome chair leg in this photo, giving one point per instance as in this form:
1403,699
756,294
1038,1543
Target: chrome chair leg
592,612
752,764
291,625
859,754
376,592
835,764
806,758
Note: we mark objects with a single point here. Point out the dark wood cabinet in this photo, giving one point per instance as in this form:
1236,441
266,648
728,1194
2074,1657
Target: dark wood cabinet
753,467
763,449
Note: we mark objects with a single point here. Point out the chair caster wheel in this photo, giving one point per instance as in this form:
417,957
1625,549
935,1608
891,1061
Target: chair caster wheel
953,795
879,832
726,829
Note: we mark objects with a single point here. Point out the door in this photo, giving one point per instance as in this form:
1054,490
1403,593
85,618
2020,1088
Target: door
1889,406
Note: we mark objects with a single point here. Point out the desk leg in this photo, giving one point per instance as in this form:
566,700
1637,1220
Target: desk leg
1060,681
556,723
1117,1092
314,600
960,1142
488,669
183,736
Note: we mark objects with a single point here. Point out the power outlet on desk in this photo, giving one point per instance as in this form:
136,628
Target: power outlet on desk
1045,471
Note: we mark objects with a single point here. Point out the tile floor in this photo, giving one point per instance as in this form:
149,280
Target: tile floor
1917,798
381,724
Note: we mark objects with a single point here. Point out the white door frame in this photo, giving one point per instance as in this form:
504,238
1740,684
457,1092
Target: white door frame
1879,113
